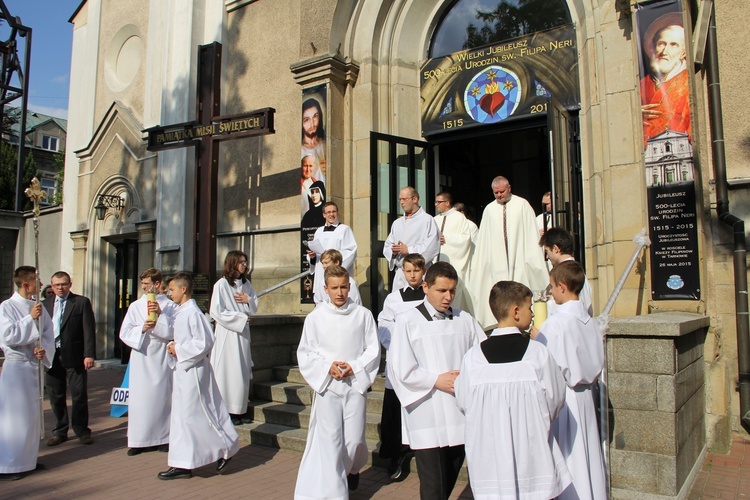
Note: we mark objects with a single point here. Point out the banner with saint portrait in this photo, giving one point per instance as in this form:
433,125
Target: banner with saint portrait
668,149
313,168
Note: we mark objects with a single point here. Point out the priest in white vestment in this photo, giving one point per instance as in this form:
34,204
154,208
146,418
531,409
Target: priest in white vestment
511,390
332,236
427,347
19,378
573,338
233,302
201,431
339,357
507,249
457,237
150,379
415,232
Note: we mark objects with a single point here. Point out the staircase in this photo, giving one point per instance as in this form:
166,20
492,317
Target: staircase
281,413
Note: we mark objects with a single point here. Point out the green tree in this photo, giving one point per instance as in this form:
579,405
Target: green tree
59,177
514,18
8,165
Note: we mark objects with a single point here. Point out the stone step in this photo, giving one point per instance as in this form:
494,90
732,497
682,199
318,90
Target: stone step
299,394
292,374
298,416
294,439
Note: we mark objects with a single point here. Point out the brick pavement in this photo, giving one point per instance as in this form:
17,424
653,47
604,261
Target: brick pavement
103,470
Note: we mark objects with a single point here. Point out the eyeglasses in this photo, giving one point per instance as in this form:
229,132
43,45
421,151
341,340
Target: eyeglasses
242,262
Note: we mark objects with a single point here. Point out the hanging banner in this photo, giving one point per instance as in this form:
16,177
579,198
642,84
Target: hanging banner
497,82
313,169
668,150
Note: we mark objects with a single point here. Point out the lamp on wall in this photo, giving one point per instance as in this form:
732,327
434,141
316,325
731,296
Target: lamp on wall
106,201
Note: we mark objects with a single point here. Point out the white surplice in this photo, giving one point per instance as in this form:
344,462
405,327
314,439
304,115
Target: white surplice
420,351
573,338
201,431
341,239
586,297
231,358
393,305
524,261
150,379
336,437
19,383
509,410
459,234
420,234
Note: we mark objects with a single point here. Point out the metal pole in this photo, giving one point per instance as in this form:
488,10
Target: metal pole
22,134
35,193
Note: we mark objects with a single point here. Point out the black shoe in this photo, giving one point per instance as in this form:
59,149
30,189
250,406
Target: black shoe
247,418
57,439
175,473
134,451
15,476
236,419
399,468
352,481
221,465
164,448
87,439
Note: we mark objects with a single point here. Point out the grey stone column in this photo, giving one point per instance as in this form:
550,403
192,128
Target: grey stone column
656,391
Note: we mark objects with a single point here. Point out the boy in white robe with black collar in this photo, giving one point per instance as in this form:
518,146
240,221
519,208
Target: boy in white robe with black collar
395,303
427,347
150,379
19,379
511,390
573,338
200,430
339,357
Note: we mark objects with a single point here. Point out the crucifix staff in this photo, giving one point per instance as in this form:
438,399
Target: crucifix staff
37,195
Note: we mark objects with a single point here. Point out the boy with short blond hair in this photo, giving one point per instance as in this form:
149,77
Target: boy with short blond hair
510,390
19,378
338,356
333,257
573,338
395,303
200,430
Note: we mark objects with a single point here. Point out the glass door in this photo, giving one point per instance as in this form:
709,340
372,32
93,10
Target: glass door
566,173
395,162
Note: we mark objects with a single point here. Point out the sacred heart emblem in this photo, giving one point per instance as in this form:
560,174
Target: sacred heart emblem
490,103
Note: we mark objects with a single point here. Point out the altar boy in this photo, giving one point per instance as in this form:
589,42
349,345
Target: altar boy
150,375
339,356
200,431
395,303
19,379
510,390
573,338
427,347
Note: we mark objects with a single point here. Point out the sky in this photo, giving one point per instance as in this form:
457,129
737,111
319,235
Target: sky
51,42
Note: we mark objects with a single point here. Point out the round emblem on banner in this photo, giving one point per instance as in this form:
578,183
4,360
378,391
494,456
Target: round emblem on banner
492,95
675,282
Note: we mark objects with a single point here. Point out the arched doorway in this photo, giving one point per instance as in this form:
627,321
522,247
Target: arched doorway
535,145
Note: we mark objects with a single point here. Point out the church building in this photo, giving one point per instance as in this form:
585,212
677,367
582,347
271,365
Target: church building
184,142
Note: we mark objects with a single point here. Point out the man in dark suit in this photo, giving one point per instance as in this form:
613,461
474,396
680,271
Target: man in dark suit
75,349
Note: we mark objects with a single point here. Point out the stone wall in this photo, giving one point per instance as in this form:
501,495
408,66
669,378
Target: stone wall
655,373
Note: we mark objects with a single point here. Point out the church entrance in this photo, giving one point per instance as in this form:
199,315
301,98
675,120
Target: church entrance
536,155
